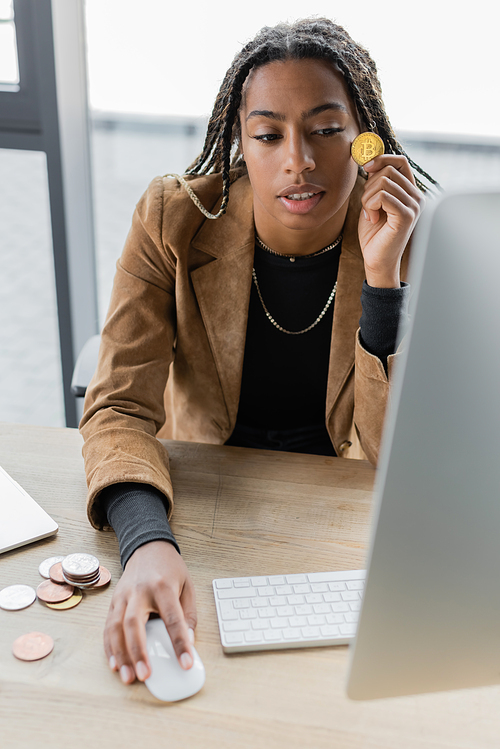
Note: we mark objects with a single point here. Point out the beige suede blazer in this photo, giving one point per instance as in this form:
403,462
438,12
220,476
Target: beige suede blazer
172,348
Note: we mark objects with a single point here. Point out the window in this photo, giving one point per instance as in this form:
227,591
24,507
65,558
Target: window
9,68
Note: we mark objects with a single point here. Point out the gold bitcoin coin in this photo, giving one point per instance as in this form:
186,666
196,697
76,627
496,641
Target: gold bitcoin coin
366,147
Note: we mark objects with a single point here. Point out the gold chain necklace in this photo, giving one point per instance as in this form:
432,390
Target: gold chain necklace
292,257
277,325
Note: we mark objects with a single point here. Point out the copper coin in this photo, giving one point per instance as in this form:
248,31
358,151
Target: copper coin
45,566
366,147
69,604
50,592
33,646
56,574
103,580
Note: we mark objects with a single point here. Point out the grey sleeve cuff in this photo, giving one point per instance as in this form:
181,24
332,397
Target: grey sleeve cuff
383,310
137,514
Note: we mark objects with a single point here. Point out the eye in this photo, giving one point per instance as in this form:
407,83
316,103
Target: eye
267,137
327,132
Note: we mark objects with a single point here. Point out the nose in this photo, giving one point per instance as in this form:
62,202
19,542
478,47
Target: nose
299,155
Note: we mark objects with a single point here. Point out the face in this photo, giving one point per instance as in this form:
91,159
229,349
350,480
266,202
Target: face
297,126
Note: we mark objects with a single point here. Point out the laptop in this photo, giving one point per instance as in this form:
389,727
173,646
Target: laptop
22,520
430,615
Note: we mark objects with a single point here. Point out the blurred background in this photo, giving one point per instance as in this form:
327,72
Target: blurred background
143,76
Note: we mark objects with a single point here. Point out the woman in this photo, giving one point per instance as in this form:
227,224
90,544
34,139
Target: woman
243,330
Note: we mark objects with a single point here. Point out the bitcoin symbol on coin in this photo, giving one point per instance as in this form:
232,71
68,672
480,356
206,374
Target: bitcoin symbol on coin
366,147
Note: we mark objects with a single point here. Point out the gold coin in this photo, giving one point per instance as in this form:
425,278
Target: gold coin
33,646
366,147
69,604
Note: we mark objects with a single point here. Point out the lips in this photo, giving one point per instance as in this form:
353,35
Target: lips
300,199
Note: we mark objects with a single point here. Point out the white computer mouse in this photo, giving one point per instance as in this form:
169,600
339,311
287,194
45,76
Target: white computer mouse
169,681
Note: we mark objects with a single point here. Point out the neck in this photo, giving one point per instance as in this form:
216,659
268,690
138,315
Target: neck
298,241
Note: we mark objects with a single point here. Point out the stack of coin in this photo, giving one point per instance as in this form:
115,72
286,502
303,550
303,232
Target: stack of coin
80,569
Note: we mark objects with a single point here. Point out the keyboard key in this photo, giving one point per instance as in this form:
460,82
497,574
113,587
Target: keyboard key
350,595
335,618
330,630
258,581
322,608
249,614
302,588
298,621
236,593
272,636
314,598
348,629
330,597
285,610
283,590
334,587
253,636
241,582
316,619
319,587
352,617
260,624
259,602
296,579
266,590
337,608
276,580
309,632
356,585
230,615
355,605
291,633
279,622
243,603
233,638
278,601
304,608
226,606
267,612
220,584
294,600
236,626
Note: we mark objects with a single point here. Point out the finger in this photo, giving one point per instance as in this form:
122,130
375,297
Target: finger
375,199
173,615
188,603
115,645
134,628
388,159
385,179
393,208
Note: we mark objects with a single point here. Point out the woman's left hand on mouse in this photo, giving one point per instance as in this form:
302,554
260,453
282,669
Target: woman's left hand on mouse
155,580
392,203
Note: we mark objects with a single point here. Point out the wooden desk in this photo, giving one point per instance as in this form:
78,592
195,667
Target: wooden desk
238,512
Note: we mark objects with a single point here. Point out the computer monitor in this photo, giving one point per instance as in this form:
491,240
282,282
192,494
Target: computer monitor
430,617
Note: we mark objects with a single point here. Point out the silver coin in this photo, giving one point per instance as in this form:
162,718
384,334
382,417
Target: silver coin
16,597
45,566
80,564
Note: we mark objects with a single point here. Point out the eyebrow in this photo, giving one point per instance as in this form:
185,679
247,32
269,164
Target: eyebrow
335,105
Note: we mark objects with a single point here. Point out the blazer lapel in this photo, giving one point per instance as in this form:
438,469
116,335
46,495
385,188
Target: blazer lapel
223,285
347,309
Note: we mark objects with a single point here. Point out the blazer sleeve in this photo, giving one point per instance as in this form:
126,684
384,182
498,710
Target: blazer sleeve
124,408
371,397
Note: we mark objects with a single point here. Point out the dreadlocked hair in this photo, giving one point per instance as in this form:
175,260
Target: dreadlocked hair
311,38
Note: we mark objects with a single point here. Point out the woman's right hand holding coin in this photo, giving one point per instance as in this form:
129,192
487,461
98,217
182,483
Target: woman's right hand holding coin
155,580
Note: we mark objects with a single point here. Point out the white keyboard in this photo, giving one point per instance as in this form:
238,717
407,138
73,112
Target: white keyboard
288,611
